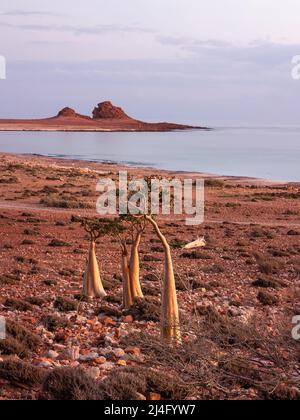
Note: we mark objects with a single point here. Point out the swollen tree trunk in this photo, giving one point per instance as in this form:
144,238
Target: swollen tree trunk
134,266
92,284
170,323
127,294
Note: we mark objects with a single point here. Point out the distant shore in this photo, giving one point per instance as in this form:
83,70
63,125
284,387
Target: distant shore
137,170
106,118
70,129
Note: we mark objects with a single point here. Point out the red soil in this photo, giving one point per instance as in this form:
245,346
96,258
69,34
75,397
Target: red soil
236,344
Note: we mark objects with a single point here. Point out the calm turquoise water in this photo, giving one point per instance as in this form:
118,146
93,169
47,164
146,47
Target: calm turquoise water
272,153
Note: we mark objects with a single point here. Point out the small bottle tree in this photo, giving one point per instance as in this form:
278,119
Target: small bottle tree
136,228
125,228
119,231
170,322
92,283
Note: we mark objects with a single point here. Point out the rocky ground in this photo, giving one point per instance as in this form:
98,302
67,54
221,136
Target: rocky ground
237,296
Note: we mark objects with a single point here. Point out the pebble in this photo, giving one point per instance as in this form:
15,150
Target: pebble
100,360
111,341
72,353
140,397
119,352
74,364
106,351
59,347
234,312
107,366
127,319
108,322
89,357
133,350
52,354
152,396
45,364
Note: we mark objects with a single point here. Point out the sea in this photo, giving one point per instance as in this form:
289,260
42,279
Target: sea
262,152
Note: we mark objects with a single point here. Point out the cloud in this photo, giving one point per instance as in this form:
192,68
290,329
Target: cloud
29,13
78,30
260,53
186,43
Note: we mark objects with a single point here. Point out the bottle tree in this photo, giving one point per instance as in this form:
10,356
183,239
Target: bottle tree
92,283
129,229
170,322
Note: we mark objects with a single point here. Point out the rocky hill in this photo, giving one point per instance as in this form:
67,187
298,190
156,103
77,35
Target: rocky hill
106,110
105,117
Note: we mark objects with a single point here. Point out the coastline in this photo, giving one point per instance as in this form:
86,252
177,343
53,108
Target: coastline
105,165
99,130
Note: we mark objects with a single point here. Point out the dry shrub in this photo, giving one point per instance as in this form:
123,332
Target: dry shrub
214,269
192,360
8,279
113,298
223,358
214,183
266,282
227,332
152,277
50,282
27,242
68,272
178,243
278,253
145,310
283,392
65,203
267,299
157,249
66,384
65,305
56,243
196,255
109,311
261,233
267,265
188,283
82,298
151,290
19,372
123,384
17,305
22,334
170,387
120,384
111,284
127,383
11,346
239,370
36,301
151,258
53,322
19,340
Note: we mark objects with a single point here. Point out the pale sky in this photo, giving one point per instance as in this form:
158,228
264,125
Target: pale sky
224,62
